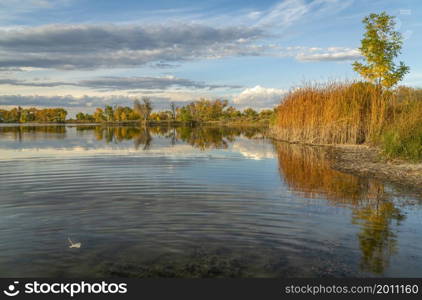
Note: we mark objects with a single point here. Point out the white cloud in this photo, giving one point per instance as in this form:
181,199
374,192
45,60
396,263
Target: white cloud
329,54
259,97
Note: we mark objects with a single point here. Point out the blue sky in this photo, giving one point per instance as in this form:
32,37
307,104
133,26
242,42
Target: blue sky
83,54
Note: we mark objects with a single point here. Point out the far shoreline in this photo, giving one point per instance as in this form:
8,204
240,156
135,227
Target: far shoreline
143,123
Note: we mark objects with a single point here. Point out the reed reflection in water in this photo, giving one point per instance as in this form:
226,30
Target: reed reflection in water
308,173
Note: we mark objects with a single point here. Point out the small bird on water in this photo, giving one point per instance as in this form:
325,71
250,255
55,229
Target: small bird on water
74,245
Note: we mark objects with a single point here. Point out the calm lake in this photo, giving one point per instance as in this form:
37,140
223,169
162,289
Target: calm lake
193,202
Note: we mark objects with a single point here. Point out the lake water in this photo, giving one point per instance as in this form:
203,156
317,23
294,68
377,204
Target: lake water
193,202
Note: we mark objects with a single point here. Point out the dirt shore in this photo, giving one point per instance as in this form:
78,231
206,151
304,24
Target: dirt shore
368,162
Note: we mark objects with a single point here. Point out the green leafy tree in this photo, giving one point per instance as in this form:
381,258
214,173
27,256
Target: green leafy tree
99,115
266,114
380,45
58,115
24,116
109,113
80,116
250,113
184,114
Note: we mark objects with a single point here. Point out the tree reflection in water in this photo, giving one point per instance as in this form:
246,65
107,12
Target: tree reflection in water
34,132
307,172
201,137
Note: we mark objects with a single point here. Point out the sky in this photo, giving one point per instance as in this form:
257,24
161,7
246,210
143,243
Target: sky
82,54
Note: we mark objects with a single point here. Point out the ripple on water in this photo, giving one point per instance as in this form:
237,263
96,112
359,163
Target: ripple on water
249,209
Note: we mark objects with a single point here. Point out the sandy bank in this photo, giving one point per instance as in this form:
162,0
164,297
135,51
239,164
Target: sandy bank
367,161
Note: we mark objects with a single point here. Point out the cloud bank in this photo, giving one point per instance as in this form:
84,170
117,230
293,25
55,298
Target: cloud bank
111,46
112,83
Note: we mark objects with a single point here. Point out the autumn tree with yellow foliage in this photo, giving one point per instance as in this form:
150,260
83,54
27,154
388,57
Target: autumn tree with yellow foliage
380,45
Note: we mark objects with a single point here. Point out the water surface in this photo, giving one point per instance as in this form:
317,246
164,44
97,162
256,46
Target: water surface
193,202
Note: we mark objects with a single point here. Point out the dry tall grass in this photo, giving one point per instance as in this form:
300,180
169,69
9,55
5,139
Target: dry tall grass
352,113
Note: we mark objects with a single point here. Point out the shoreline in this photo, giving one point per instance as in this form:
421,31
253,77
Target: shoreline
367,161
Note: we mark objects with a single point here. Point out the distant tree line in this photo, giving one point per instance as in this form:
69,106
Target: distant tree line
202,110
21,115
